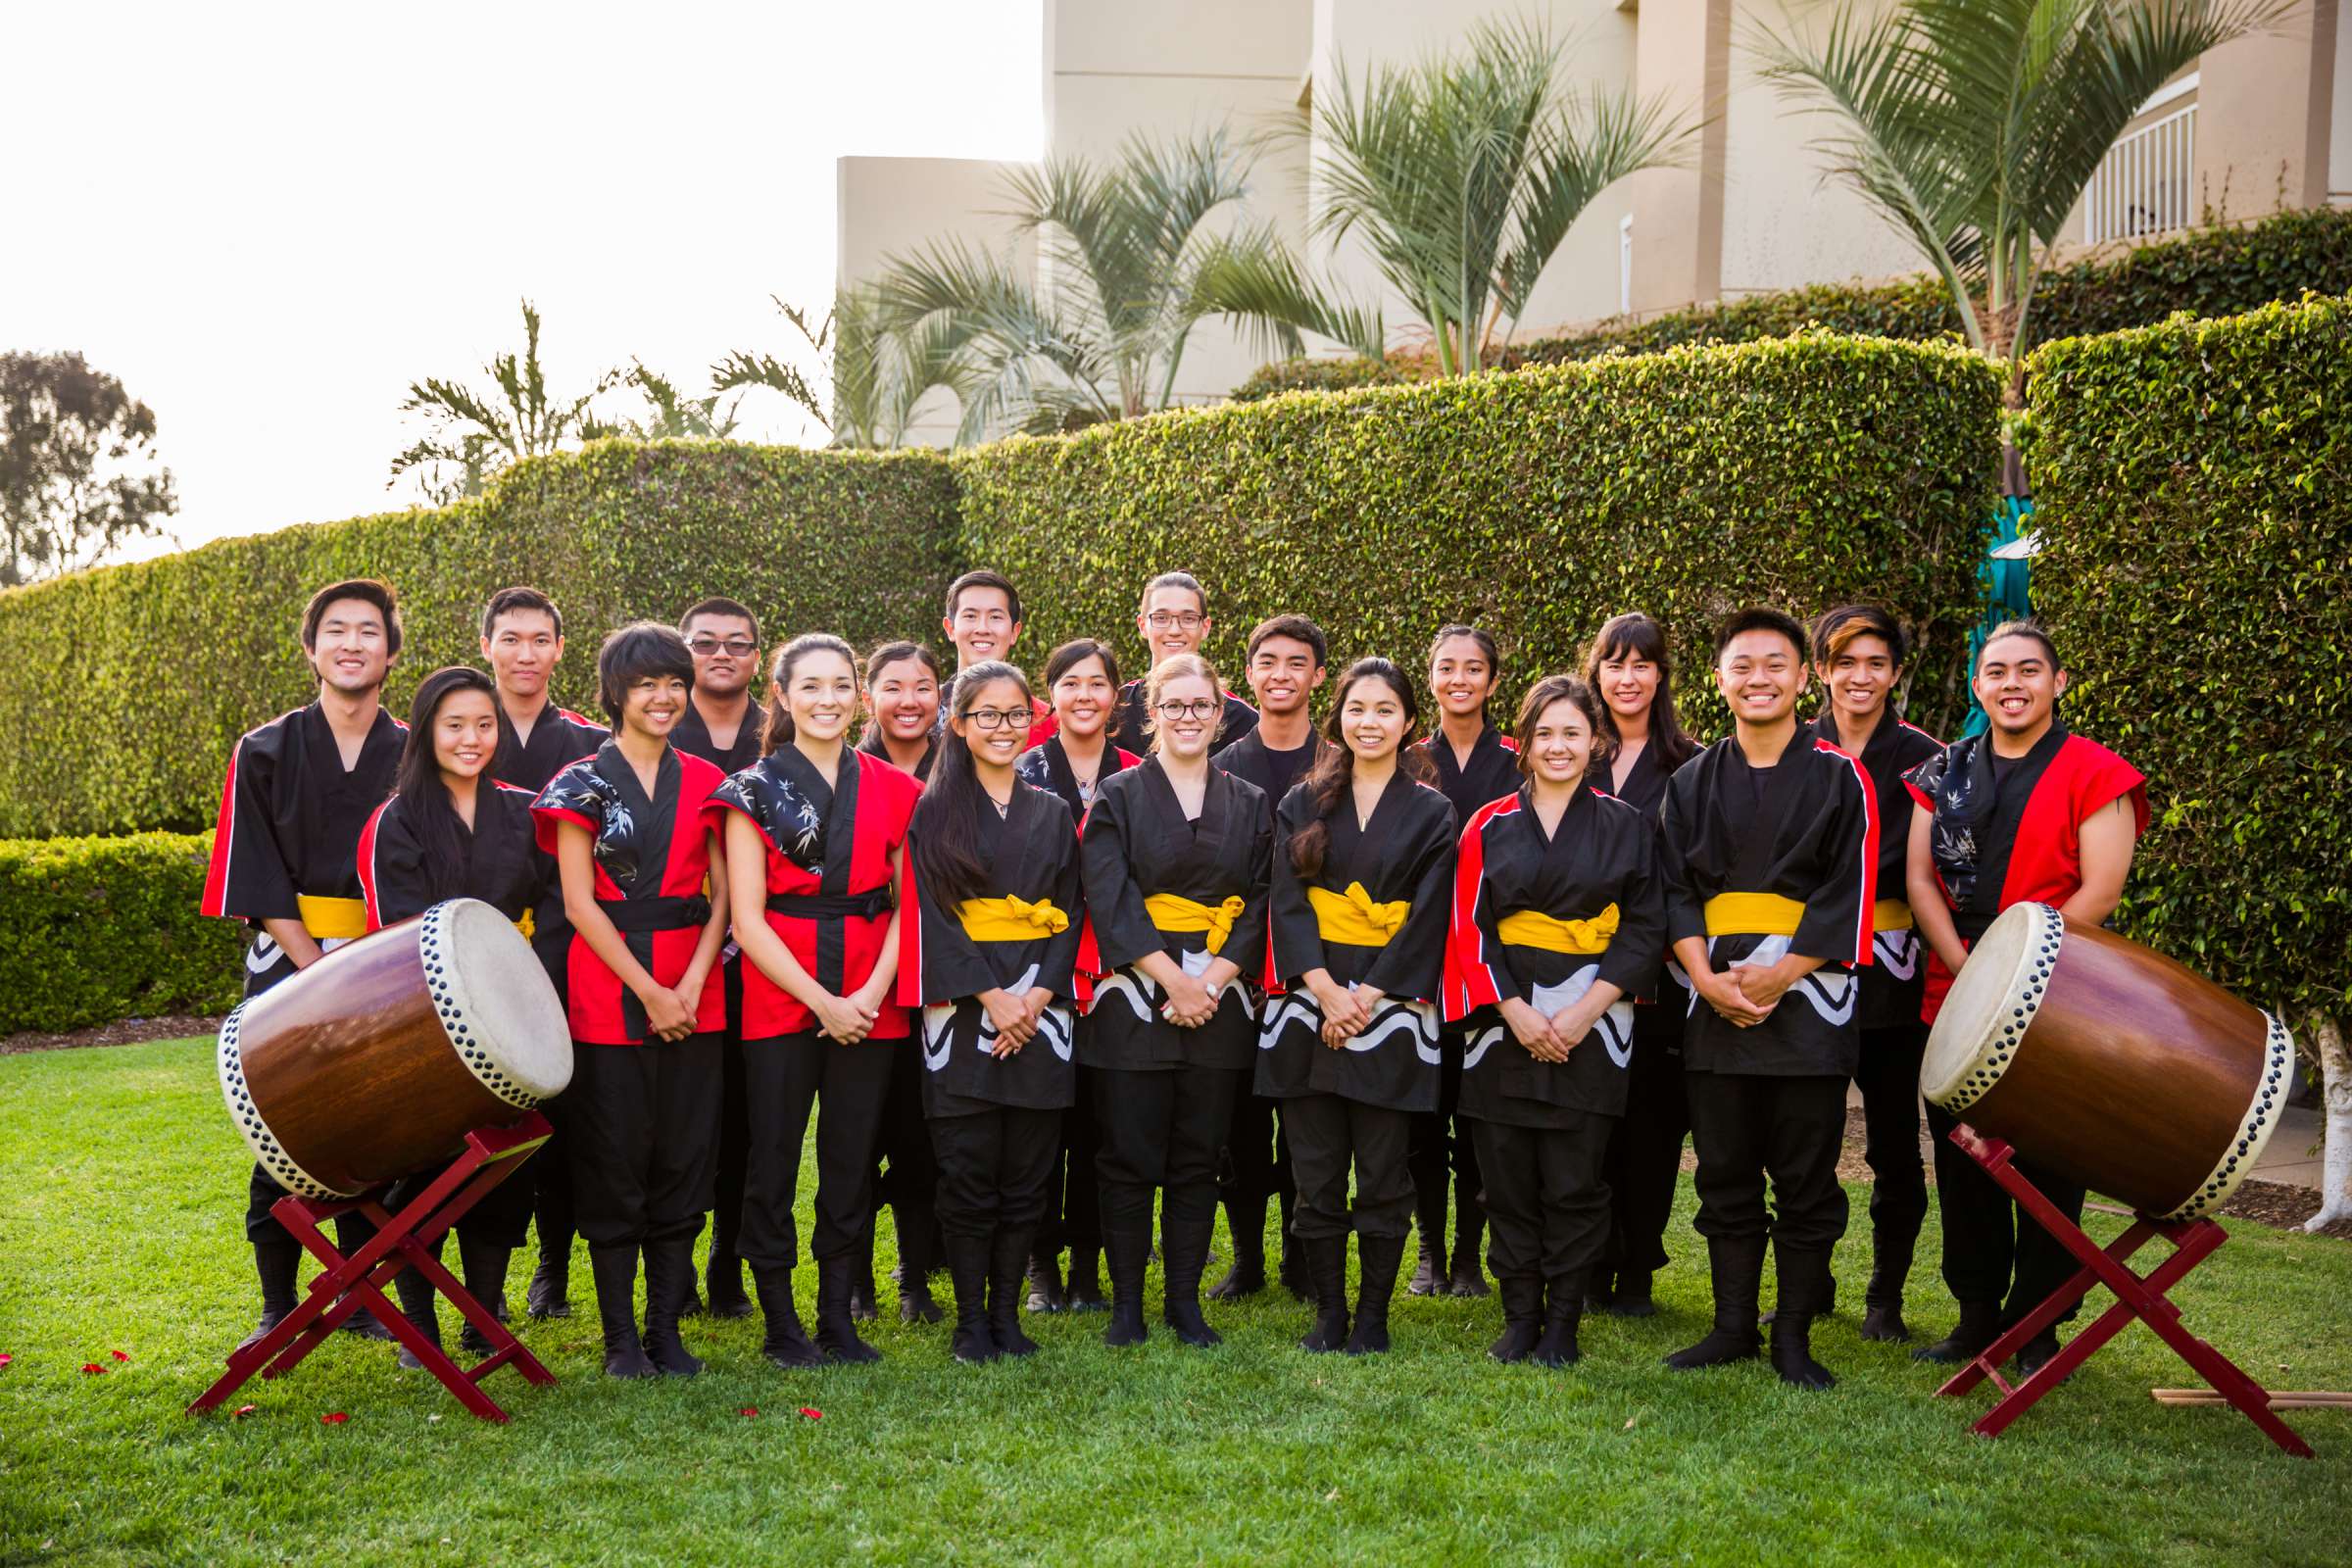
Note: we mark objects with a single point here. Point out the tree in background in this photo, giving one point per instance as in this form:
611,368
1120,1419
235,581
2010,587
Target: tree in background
863,380
67,435
1133,263
670,414
1463,174
1973,125
471,435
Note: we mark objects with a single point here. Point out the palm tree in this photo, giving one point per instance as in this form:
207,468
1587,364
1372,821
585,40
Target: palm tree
671,415
1132,266
1973,125
874,378
1465,173
478,433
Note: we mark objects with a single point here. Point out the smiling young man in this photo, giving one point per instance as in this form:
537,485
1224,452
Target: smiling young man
1173,618
1769,843
285,857
983,620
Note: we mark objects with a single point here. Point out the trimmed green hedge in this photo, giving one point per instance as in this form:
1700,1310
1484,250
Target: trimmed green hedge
1538,503
2194,493
122,689
2215,270
92,930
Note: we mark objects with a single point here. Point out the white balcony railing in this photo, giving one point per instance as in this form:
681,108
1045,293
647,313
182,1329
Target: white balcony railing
2144,184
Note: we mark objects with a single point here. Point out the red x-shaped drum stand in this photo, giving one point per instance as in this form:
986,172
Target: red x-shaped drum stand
402,1241
2137,1296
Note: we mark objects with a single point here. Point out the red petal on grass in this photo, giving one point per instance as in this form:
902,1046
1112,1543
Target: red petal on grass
244,1410
333,1418
813,1415
749,1409
117,1355
92,1369
5,1359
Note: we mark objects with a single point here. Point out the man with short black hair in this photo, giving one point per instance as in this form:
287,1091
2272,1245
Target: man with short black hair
1769,843
983,621
1172,618
721,722
285,852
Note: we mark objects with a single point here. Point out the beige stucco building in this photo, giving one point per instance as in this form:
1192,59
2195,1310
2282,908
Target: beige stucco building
2258,125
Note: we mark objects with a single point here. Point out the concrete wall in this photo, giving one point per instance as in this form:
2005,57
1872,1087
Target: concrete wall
2263,115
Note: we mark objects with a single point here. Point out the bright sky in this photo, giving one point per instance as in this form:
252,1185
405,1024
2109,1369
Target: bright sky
268,219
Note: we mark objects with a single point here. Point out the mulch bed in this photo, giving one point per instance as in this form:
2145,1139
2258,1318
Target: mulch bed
127,1032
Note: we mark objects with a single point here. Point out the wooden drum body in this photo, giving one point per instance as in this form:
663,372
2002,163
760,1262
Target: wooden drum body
2108,1064
377,1061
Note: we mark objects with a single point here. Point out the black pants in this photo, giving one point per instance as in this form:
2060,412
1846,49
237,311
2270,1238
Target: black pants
734,1125
849,1085
1328,1133
1161,1132
1751,1126
909,1180
644,1138
549,1180
1889,1078
1257,1153
1645,1158
1993,1252
503,1218
993,1168
1443,1147
262,1191
1073,1215
1547,1207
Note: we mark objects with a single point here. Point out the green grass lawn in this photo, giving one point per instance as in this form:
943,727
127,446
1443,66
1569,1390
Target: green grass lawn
122,1183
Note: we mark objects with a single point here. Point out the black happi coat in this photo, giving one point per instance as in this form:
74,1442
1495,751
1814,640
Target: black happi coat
560,737
290,823
1811,836
497,862
1493,772
1603,853
693,737
1138,843
1249,759
1894,980
1406,852
1030,852
1046,765
1128,728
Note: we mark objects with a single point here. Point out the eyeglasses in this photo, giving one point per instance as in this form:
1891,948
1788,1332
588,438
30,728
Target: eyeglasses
737,646
987,718
1170,619
1199,707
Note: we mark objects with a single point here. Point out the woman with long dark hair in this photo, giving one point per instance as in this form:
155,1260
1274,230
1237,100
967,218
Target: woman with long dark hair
1362,895
1175,864
1074,762
989,953
1641,744
1560,914
815,833
902,705
452,831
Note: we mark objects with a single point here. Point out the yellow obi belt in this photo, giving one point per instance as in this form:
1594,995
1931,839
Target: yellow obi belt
1179,916
1352,919
328,919
1891,915
1011,919
1532,928
1753,914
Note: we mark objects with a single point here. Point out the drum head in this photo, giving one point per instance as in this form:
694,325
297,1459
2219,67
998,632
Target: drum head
1992,1002
496,1002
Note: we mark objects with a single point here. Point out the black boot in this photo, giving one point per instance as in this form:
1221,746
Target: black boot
723,1279
1007,1270
614,1266
836,1334
1632,1298
1187,1243
1084,1293
1429,1226
1045,1283
484,1267
277,1260
1565,1299
2035,1353
1804,1294
417,1305
1469,1227
1124,1249
1980,1325
1736,1266
1327,1272
968,1267
1246,1218
861,1277
1522,1317
1792,1350
1376,1259
786,1342
668,1286
550,1292
1883,1297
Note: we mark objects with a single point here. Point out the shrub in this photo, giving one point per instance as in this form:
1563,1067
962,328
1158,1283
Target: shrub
2195,502
125,687
1538,503
92,930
